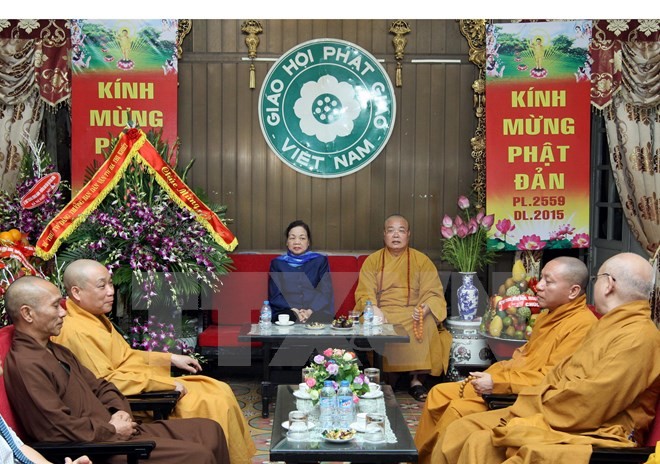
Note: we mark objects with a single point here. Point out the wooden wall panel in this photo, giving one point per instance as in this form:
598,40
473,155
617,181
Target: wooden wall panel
424,167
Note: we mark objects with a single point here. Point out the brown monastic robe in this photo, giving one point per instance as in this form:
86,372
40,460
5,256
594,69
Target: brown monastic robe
59,400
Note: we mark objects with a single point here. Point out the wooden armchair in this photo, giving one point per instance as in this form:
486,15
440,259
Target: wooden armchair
639,454
56,452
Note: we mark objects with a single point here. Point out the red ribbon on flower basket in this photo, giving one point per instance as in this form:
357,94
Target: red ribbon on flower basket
132,143
20,254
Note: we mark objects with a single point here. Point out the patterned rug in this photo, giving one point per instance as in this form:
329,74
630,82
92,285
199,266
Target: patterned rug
248,394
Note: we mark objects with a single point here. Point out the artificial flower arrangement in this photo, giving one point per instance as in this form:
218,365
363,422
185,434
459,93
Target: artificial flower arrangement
464,238
336,365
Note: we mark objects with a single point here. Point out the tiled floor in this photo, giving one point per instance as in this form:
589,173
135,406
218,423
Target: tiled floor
248,395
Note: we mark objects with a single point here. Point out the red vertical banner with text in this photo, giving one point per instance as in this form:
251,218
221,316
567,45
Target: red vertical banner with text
124,72
538,134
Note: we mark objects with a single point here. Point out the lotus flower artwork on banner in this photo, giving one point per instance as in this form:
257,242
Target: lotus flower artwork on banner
538,134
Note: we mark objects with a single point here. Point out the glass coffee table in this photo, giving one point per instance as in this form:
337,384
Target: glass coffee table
398,448
298,340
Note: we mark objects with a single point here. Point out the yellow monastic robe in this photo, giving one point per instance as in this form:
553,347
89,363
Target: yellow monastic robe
101,349
604,395
556,335
397,285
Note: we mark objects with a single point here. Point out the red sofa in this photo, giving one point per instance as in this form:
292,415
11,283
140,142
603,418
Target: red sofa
246,287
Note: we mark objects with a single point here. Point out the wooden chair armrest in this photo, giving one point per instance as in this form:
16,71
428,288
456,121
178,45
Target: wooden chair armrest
499,401
161,403
133,450
155,395
621,455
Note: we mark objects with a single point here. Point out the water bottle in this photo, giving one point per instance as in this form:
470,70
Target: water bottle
345,405
368,314
265,315
327,405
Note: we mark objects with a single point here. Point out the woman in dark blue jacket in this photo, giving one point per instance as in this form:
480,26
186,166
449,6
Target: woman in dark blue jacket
299,282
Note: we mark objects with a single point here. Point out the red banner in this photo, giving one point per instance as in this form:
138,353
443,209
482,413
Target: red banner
538,135
124,71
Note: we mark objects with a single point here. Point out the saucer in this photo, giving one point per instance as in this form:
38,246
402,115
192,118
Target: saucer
301,395
284,324
358,426
310,425
372,395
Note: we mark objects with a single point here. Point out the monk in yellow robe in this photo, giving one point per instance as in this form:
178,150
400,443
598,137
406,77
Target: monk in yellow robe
397,279
90,335
556,335
604,395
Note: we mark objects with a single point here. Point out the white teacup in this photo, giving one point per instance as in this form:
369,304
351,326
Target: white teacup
361,420
303,387
374,387
283,318
377,320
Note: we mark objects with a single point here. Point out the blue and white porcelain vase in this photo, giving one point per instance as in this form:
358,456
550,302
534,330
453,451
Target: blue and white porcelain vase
468,297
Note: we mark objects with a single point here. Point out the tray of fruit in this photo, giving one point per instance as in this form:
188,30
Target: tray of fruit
512,312
342,323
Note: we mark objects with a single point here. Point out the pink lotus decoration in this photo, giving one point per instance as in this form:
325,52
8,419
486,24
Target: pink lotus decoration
531,242
581,241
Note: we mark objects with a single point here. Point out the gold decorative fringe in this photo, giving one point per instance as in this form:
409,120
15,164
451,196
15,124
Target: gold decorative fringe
398,80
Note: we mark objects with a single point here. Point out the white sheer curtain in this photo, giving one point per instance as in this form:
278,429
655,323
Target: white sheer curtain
633,134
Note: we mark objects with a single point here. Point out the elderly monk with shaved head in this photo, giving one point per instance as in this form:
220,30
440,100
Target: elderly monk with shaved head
604,395
90,335
556,335
62,401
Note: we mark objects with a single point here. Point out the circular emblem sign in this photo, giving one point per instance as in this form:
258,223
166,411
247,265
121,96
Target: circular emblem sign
327,108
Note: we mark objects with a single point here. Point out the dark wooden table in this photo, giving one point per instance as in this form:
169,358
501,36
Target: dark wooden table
281,449
299,343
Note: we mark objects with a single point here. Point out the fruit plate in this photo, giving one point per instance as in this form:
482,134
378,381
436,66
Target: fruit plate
341,328
502,348
338,435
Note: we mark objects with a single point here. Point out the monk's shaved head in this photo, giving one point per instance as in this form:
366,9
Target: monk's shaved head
34,306
395,216
88,284
26,290
633,274
574,271
78,273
